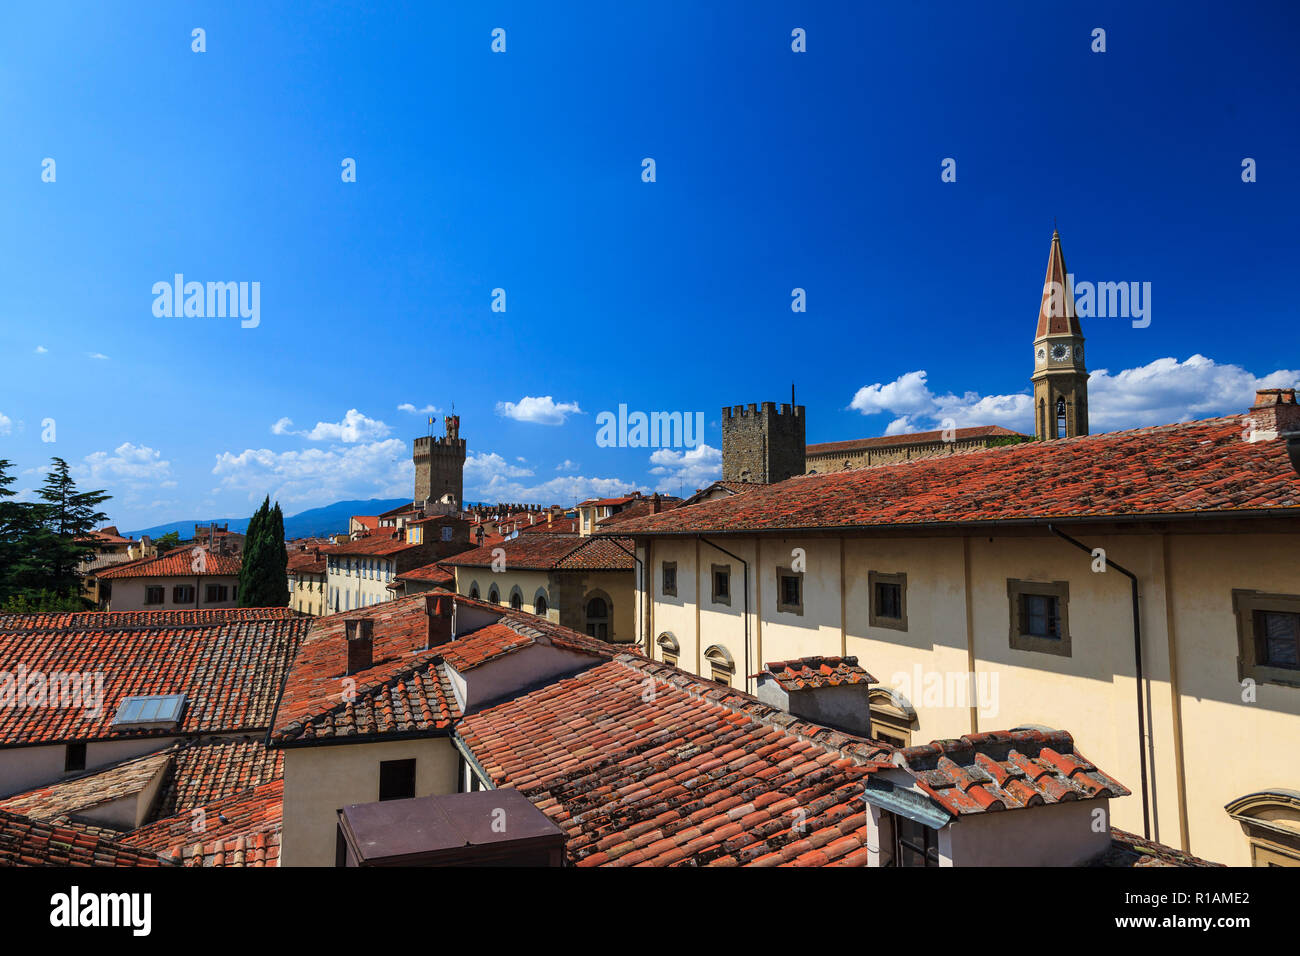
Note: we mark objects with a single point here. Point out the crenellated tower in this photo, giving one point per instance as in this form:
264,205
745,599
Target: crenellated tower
440,465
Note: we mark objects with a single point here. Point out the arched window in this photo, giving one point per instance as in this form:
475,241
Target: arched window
540,604
669,649
516,599
494,594
1060,418
722,665
598,618
892,717
1271,821
473,590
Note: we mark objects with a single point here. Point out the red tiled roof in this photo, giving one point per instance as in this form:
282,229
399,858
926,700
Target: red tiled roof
179,562
600,554
213,770
540,552
1192,468
85,791
240,830
380,542
599,502
428,572
554,526
229,671
404,691
912,438
808,673
1006,771
367,521
27,842
306,562
135,620
637,509
642,764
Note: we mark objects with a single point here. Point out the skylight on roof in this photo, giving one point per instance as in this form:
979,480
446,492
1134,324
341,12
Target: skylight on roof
159,710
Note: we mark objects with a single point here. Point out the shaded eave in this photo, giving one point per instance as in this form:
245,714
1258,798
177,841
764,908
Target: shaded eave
895,527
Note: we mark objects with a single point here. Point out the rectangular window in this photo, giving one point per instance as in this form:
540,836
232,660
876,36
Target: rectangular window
888,600
74,757
915,844
153,595
789,591
183,594
216,593
721,575
1039,614
1268,636
670,578
396,779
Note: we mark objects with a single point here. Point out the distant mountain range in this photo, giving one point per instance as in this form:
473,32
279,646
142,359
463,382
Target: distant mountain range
316,521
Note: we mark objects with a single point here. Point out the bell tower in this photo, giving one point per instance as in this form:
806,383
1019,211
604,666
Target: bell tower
1060,378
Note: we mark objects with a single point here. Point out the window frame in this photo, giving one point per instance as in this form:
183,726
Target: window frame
664,568
1018,640
1246,603
714,571
149,590
403,765
74,757
782,606
874,617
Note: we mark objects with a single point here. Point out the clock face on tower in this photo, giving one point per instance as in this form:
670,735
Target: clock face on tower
1060,352
1041,354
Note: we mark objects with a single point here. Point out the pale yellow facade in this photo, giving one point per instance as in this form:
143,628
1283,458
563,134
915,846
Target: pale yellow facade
320,780
566,595
1205,746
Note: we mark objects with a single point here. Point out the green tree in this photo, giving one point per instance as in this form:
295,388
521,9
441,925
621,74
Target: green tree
168,542
263,574
68,517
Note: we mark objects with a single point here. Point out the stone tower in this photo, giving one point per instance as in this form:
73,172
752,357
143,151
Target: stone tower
762,444
1060,379
440,465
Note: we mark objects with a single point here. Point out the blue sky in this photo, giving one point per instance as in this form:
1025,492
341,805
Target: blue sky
522,170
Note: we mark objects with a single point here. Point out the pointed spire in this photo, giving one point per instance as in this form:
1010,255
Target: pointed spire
1056,313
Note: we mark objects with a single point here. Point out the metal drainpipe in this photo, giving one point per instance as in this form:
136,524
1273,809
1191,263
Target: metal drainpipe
745,564
1137,663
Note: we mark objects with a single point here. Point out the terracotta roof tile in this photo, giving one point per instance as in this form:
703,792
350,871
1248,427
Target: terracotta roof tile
242,829
229,666
180,562
912,438
808,673
1194,468
1005,770
28,842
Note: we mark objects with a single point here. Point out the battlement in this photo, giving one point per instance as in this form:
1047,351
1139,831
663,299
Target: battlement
762,443
425,444
768,408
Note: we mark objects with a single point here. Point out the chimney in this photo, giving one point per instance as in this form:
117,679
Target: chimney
360,638
439,611
1274,414
654,504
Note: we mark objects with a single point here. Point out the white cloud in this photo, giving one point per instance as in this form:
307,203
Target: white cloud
137,466
6,425
41,350
1167,390
408,407
97,355
686,471
317,476
567,465
355,427
542,410
1157,393
489,477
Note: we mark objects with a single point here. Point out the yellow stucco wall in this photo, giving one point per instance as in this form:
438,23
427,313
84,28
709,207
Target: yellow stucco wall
318,781
1231,748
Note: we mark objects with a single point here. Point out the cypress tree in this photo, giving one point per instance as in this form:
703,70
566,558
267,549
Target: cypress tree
250,590
263,573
